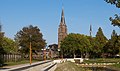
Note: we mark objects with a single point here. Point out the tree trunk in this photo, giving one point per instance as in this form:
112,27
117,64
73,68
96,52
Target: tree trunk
74,55
81,55
87,55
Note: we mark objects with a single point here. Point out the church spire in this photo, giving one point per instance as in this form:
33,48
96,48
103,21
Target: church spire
0,27
90,30
62,17
62,30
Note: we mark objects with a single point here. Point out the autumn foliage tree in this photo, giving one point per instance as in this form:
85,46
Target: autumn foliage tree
30,34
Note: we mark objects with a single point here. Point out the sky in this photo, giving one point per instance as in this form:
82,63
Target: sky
46,14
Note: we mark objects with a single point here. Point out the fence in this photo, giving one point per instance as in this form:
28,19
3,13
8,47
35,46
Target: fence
10,57
17,57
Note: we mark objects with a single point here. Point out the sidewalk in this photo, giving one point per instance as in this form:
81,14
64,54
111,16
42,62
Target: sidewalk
24,66
8,67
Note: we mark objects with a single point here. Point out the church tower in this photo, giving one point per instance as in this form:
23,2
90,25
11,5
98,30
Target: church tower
90,30
62,30
1,35
0,27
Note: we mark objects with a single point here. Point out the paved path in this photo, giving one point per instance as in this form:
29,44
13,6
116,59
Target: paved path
37,66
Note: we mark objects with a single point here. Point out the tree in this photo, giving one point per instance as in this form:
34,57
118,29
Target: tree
86,45
112,46
114,43
94,47
101,40
118,44
116,20
30,34
114,2
1,41
74,43
1,48
8,45
68,45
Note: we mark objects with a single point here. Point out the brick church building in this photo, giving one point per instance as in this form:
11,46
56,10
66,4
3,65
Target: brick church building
62,30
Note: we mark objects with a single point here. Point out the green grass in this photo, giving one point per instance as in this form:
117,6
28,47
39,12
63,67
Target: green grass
19,62
106,60
103,60
68,66
117,65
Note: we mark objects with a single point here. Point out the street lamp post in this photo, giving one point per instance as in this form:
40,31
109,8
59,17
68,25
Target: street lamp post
58,52
30,52
44,53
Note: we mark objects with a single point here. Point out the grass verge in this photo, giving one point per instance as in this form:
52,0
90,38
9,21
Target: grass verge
68,66
117,65
103,60
17,63
106,60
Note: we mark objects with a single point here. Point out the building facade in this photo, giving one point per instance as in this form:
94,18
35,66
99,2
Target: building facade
53,51
62,30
